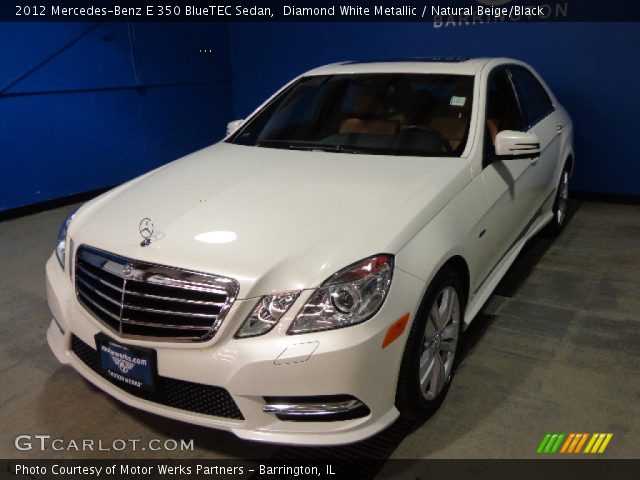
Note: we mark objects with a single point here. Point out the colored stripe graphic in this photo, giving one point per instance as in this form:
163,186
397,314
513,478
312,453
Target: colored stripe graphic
594,437
606,442
550,443
567,442
543,443
598,442
556,445
577,441
581,442
573,443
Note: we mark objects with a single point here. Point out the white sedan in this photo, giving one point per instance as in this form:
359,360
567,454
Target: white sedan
307,280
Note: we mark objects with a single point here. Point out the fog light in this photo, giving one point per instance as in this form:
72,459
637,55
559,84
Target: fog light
324,408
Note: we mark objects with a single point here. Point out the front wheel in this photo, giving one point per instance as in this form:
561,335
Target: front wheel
429,359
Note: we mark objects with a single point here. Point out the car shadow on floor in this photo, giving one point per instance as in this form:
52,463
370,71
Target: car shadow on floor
530,256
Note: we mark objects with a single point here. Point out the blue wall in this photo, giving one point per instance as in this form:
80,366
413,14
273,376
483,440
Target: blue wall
81,109
592,68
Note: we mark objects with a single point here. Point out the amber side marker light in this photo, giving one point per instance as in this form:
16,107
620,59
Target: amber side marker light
395,330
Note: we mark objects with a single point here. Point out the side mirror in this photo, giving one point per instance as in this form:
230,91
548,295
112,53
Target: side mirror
233,126
512,145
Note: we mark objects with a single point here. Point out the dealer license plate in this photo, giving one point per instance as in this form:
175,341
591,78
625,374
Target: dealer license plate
127,364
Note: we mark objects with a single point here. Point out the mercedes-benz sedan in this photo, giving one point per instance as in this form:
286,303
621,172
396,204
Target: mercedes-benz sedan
307,280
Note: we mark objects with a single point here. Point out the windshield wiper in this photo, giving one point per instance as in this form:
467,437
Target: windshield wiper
325,147
308,146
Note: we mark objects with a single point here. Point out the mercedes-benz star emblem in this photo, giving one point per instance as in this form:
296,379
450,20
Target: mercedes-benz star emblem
127,270
146,230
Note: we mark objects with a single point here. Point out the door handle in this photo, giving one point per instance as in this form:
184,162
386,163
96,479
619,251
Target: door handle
559,127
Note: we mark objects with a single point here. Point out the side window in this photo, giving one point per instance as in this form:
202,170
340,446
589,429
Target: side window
503,112
534,100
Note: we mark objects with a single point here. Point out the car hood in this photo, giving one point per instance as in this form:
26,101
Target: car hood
273,219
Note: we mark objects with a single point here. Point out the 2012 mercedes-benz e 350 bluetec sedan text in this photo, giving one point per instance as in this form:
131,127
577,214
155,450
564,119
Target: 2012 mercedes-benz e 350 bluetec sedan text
308,279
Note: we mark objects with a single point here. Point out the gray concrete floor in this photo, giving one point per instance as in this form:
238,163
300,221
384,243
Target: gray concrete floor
557,349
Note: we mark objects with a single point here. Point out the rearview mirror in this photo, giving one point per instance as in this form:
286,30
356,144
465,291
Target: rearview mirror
233,126
512,145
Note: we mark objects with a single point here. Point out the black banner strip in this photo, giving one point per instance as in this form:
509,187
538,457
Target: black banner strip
429,11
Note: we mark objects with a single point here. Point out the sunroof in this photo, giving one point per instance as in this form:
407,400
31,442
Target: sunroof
414,59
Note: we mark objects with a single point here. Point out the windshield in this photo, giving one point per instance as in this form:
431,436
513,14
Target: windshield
389,114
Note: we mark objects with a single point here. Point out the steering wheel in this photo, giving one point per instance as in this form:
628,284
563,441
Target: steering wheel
432,133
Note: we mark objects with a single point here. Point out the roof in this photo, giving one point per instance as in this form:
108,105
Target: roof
446,65
412,59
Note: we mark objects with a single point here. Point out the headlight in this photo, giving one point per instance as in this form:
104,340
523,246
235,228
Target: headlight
61,244
266,314
349,297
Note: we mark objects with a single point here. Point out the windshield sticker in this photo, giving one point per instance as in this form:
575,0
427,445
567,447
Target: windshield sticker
458,101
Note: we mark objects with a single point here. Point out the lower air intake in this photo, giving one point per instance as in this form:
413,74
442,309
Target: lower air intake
189,396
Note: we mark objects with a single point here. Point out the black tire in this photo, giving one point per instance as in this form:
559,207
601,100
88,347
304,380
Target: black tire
560,205
410,400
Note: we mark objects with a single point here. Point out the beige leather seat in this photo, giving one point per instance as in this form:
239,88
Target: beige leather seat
368,117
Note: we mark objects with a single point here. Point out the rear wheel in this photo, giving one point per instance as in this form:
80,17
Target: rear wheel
561,203
428,362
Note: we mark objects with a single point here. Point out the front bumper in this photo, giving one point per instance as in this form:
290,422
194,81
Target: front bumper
348,361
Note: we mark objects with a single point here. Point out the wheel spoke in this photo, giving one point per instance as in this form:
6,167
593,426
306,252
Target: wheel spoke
437,376
434,317
426,367
446,308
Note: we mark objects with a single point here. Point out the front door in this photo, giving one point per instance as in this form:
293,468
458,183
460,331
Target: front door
510,186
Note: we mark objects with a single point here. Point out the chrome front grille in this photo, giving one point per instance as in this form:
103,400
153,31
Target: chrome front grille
147,301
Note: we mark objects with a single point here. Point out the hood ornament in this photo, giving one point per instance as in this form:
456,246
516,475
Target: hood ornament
146,231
